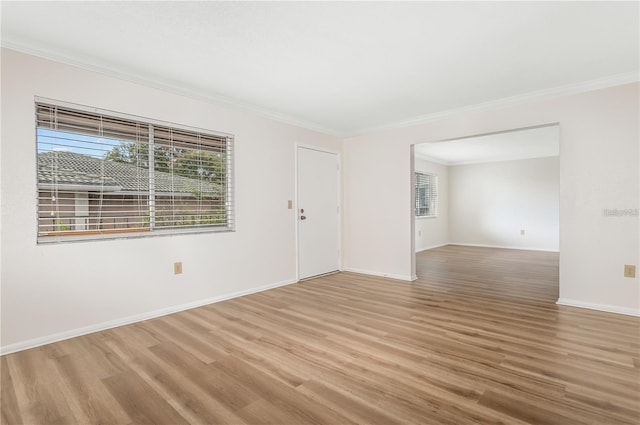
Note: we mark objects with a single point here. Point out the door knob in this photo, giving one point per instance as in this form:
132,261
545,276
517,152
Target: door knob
302,217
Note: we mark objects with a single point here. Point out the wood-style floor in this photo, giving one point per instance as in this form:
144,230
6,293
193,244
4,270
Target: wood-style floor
476,340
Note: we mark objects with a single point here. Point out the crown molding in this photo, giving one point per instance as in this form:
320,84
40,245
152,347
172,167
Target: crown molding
425,157
474,162
212,98
559,91
490,161
219,100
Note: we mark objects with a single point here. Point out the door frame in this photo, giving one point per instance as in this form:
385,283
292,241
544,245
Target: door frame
296,206
414,275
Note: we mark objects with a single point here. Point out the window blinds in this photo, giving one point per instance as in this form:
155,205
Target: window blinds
101,175
426,195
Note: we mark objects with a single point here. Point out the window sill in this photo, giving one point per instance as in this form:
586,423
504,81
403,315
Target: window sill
111,234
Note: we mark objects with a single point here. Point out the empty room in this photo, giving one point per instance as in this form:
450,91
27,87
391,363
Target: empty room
484,201
320,213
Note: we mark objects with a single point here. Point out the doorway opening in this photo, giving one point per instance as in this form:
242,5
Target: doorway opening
488,195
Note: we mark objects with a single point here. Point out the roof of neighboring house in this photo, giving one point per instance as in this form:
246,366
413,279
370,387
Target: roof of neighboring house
69,168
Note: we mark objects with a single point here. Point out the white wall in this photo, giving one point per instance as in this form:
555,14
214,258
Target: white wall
599,139
51,291
490,203
431,232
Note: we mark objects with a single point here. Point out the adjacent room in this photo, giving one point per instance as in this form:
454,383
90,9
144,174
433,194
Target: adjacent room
319,213
499,190
496,195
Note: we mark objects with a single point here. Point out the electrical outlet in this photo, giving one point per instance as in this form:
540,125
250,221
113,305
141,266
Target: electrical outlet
177,267
521,232
629,270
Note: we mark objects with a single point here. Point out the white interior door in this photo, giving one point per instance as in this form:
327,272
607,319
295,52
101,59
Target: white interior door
318,212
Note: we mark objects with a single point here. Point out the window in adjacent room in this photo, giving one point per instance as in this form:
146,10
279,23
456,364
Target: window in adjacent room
105,174
426,195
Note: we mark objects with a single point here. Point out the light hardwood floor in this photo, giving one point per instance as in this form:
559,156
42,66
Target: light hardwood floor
476,340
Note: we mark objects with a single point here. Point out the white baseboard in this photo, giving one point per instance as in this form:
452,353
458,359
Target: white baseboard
431,247
60,336
504,247
601,307
380,274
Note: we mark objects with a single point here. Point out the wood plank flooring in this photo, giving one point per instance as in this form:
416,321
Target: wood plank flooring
476,340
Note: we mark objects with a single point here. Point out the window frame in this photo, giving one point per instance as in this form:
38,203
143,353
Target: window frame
428,182
229,199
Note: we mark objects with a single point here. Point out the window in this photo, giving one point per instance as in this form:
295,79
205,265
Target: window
105,175
426,195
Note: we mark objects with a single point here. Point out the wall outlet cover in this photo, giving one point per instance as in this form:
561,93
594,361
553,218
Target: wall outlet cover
629,270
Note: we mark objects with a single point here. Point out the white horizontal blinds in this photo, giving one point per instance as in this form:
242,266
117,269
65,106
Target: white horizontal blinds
92,175
426,195
229,196
106,175
89,123
192,179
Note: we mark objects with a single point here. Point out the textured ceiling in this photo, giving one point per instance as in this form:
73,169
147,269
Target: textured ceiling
341,67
